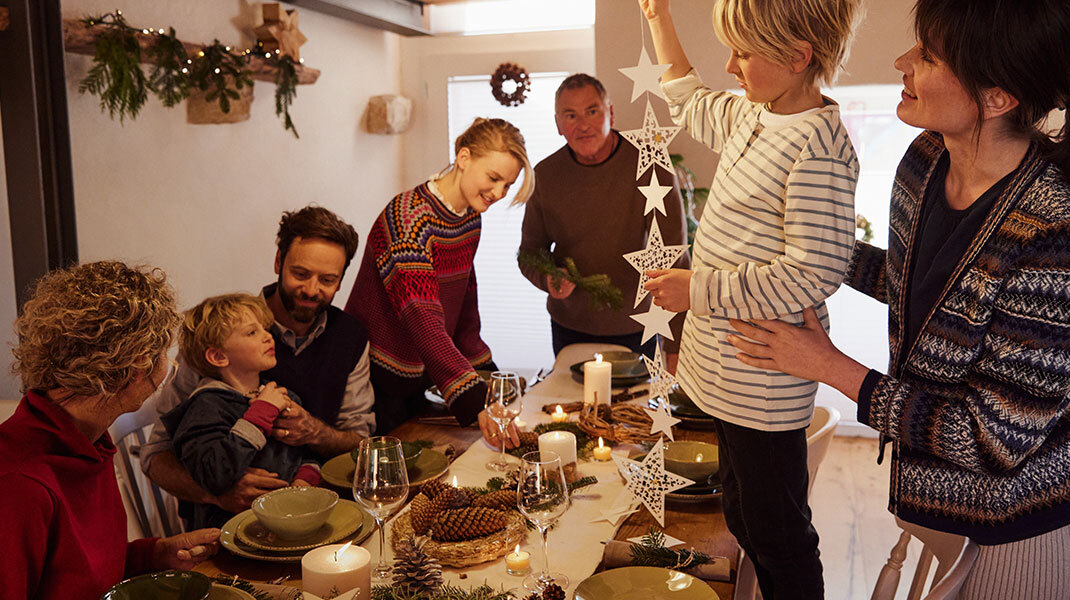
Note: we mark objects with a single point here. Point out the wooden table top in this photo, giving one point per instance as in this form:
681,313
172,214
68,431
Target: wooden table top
702,524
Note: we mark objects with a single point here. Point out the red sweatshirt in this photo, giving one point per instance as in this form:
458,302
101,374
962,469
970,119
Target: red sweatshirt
62,522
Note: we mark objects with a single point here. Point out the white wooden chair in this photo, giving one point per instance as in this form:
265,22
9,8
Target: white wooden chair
818,440
150,510
954,554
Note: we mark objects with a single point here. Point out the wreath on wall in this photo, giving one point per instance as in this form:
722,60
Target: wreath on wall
511,73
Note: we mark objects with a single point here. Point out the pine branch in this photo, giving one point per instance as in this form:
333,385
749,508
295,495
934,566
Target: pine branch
651,552
170,79
601,293
217,67
446,592
285,90
116,76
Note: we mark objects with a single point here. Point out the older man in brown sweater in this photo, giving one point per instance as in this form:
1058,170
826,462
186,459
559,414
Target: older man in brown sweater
587,206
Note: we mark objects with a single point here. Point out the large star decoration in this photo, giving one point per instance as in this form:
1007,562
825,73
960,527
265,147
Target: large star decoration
654,194
655,257
652,142
663,419
661,380
645,77
655,322
648,481
280,32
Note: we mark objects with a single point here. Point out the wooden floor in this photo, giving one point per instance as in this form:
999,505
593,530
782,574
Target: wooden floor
850,506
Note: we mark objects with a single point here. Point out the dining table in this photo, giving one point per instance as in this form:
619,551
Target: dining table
576,543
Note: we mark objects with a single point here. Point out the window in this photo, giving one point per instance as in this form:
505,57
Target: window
511,16
512,310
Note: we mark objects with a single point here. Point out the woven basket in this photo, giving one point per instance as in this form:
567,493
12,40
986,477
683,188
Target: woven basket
468,552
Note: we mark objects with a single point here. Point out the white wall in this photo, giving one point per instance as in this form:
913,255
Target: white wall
203,201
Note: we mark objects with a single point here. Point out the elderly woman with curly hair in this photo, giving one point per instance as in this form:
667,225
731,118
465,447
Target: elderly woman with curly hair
91,346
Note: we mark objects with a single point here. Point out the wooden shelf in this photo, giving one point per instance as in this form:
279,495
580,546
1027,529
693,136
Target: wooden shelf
80,38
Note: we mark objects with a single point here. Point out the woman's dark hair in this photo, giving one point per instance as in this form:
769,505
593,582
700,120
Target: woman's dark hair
316,222
1019,46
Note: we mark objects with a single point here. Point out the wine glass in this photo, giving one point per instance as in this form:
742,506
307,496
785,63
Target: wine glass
503,405
542,497
381,485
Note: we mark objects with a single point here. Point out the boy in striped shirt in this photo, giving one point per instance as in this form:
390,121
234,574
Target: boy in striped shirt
775,237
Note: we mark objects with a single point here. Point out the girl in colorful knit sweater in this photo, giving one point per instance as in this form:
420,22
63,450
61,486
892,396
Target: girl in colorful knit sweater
416,289
977,281
774,239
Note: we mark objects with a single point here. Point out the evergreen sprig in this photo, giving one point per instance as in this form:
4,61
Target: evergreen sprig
651,552
216,69
446,592
116,76
236,582
601,292
285,90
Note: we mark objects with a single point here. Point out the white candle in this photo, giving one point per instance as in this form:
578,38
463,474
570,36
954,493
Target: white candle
597,379
330,570
559,415
517,562
602,452
563,443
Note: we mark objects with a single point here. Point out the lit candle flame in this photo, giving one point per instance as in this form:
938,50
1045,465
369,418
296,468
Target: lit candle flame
454,481
699,457
342,550
598,358
517,551
600,445
559,411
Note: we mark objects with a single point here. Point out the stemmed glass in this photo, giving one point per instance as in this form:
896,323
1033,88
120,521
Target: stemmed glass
381,485
503,405
542,497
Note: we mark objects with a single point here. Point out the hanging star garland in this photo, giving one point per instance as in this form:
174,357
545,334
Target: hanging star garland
654,193
655,322
645,77
648,480
661,380
655,257
652,142
663,420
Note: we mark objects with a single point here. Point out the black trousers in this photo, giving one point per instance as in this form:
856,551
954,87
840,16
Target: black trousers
563,336
765,479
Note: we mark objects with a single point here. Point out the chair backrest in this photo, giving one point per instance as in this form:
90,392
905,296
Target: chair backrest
154,511
819,438
954,554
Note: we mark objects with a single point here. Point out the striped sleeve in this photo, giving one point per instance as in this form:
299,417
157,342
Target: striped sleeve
706,114
819,229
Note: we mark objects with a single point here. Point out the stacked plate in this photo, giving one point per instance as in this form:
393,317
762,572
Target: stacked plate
683,408
431,464
245,536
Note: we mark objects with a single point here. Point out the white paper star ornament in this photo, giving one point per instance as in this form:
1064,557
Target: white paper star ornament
655,194
654,257
649,481
661,380
663,420
655,322
645,77
652,142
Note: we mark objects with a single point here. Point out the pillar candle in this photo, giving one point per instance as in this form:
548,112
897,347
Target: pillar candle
563,443
597,379
335,569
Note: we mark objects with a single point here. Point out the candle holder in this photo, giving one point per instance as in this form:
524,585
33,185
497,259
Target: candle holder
519,572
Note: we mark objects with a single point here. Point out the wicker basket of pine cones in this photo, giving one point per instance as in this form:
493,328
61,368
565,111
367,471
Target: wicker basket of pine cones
464,529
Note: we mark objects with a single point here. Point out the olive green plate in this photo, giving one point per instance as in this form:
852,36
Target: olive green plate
168,585
228,538
343,521
430,465
225,592
643,583
628,368
696,493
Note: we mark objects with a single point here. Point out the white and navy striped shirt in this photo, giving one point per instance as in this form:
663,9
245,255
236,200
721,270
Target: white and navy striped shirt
775,238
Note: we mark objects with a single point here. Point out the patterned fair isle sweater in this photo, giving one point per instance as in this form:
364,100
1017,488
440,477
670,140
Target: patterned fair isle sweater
977,408
416,295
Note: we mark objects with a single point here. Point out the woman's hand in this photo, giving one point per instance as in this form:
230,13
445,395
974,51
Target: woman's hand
562,292
652,9
804,351
493,437
671,288
185,550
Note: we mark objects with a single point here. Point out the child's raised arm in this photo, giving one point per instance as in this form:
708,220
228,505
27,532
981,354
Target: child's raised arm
666,42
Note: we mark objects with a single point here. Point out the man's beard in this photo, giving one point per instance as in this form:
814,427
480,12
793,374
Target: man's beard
299,313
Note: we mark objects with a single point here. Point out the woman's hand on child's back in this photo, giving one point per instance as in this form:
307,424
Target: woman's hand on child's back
671,288
274,395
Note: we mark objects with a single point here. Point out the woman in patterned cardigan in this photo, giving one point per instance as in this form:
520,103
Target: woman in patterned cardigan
977,281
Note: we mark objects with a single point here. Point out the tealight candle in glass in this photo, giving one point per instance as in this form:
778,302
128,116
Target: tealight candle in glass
517,562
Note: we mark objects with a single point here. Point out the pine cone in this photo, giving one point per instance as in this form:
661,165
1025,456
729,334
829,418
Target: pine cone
422,513
448,499
434,487
501,500
528,438
466,524
414,569
553,592
530,488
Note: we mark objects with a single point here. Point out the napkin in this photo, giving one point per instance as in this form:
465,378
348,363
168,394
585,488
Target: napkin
618,554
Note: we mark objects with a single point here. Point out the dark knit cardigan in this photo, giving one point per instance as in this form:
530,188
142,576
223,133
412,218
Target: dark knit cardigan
416,295
977,408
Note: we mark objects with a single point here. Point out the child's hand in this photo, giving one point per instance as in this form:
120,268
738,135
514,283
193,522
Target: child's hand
274,395
653,9
560,292
671,288
301,483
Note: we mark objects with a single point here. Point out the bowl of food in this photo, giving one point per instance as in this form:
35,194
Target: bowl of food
295,512
168,585
694,460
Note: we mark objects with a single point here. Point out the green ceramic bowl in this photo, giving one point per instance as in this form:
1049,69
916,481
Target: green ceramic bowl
169,585
295,512
410,451
694,460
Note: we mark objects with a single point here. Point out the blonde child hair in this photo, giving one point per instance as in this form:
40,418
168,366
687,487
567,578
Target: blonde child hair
484,136
208,325
770,28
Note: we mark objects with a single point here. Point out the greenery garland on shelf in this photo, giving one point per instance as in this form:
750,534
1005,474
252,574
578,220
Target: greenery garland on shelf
600,290
118,79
